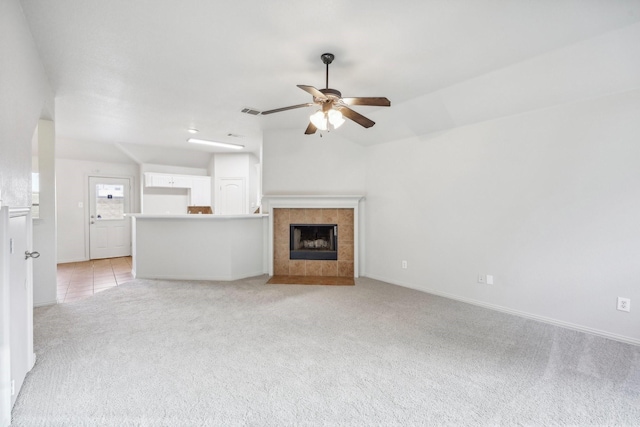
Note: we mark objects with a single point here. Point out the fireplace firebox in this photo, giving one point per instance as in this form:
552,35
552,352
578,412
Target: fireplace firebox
313,241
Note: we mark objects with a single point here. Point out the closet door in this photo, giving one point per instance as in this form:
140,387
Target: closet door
16,339
18,312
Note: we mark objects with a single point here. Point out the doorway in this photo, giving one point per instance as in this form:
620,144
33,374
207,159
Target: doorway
109,228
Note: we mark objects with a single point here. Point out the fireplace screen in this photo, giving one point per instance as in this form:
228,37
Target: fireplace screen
313,241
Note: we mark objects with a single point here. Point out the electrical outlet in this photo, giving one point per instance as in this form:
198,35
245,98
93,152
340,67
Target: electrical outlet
481,278
404,264
624,304
489,279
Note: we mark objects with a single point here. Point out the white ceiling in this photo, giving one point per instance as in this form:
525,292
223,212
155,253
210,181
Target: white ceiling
132,76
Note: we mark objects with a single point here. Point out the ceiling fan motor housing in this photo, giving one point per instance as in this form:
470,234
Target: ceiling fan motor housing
332,99
327,58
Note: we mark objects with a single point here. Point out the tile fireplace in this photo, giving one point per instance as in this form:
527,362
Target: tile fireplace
327,221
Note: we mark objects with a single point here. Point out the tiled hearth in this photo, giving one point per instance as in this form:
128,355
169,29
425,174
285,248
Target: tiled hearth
284,217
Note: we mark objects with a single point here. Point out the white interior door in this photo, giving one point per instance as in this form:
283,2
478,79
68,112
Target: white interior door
19,314
16,303
232,196
109,229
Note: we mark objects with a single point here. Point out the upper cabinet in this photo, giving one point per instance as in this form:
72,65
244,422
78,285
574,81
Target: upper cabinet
152,179
199,186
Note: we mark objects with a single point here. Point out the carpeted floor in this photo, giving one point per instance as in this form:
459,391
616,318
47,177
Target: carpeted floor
162,353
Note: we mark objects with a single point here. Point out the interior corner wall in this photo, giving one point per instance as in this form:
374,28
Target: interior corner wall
294,163
73,202
547,202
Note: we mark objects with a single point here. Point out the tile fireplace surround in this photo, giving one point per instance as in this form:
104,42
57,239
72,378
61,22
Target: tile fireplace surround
284,217
287,210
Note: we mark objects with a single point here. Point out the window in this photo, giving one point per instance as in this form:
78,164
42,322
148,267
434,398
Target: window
109,201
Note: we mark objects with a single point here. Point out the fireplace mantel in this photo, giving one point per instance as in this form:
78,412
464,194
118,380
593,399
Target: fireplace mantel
311,201
354,202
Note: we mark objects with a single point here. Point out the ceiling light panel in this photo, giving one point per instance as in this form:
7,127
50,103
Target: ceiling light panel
215,143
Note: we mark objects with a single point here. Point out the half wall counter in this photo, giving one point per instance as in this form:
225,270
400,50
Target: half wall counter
199,247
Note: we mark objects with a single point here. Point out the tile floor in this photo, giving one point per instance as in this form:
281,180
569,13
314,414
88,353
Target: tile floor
78,280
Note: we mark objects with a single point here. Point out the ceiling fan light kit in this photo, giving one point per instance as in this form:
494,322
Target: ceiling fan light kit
330,120
333,107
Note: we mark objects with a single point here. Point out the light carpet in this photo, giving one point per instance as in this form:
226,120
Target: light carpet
165,353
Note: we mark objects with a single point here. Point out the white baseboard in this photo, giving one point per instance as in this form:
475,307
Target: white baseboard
45,303
205,278
66,261
519,313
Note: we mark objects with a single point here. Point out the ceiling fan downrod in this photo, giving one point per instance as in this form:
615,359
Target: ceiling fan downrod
327,58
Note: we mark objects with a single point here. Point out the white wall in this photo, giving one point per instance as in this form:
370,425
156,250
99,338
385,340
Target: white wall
25,97
295,163
72,180
548,202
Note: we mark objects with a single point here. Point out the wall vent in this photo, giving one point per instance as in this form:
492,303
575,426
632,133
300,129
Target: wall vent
251,111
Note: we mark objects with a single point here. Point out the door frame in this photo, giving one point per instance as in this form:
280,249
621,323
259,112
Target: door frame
133,204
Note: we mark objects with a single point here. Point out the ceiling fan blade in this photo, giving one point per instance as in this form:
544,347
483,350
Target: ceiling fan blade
376,101
313,91
357,117
311,129
277,110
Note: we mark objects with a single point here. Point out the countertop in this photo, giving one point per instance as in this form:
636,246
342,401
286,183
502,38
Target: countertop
195,216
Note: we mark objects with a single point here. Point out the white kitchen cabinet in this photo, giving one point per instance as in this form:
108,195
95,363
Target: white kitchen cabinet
201,191
182,181
152,179
157,180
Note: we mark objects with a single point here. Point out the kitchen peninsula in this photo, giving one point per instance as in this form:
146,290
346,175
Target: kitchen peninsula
199,247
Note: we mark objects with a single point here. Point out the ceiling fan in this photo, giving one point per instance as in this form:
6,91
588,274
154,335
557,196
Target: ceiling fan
333,107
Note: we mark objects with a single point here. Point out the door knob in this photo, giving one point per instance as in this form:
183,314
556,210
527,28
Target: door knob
33,254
